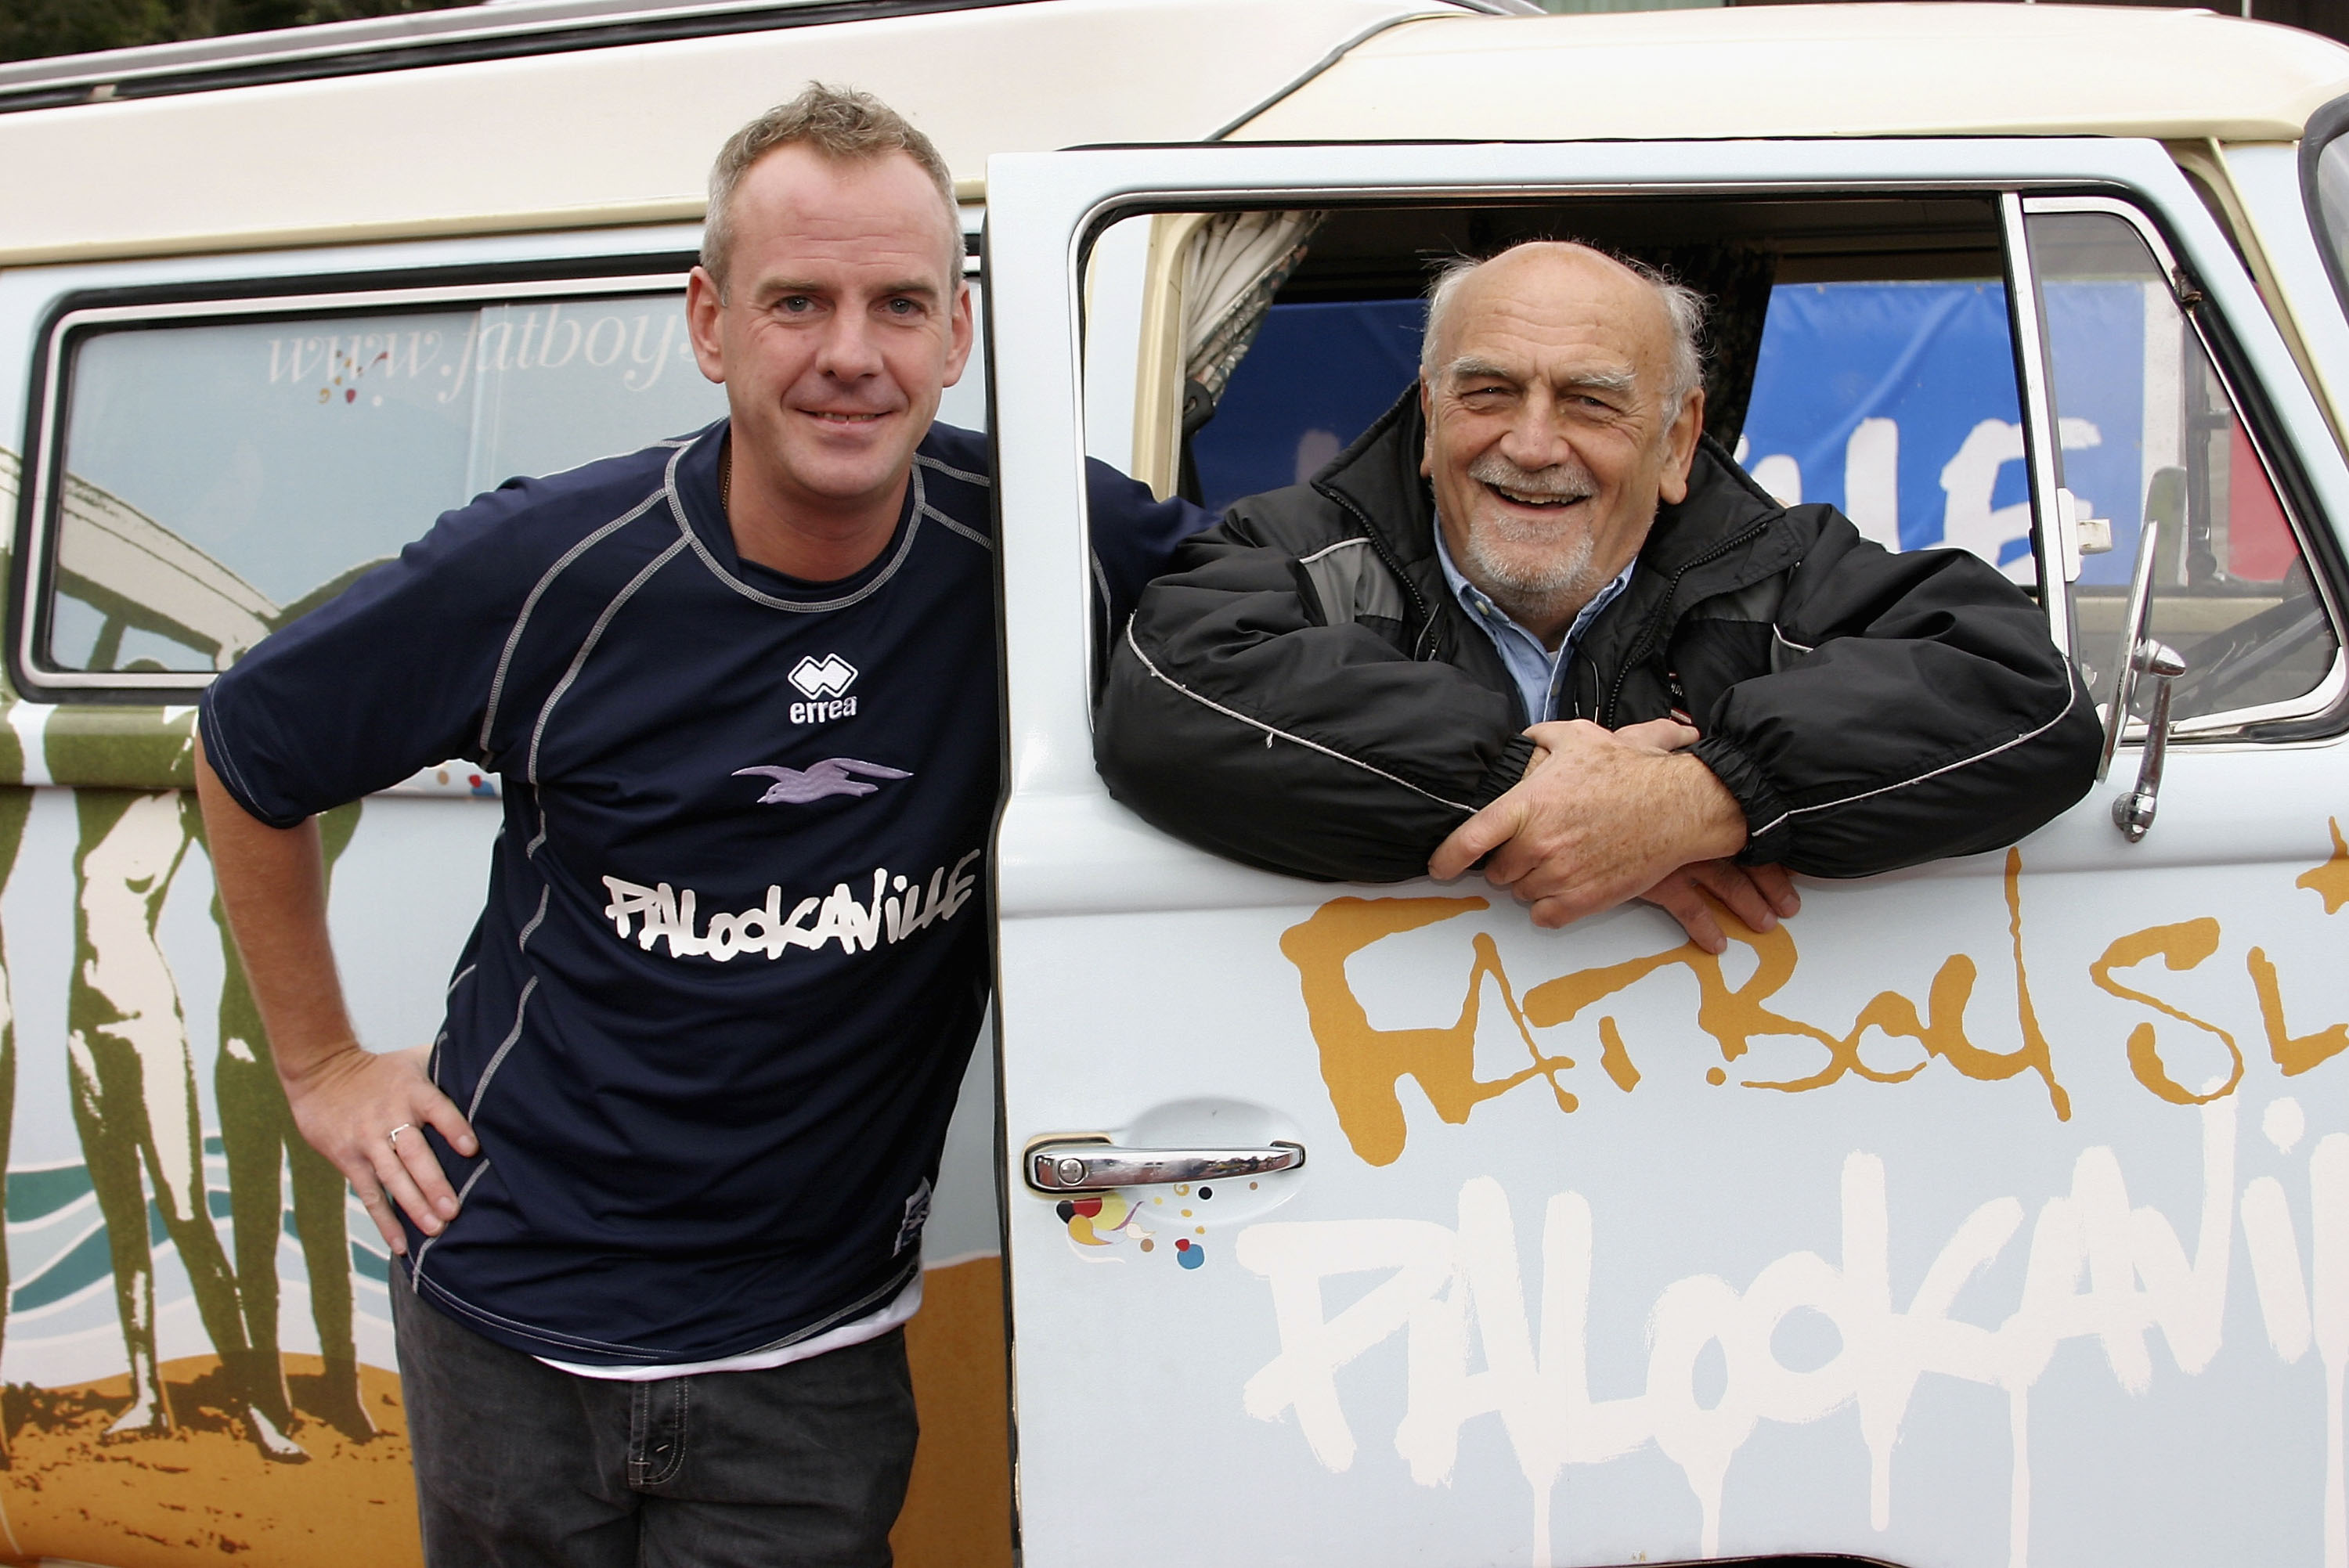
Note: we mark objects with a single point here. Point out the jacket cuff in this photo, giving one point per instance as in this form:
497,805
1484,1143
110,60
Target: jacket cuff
1502,776
1768,836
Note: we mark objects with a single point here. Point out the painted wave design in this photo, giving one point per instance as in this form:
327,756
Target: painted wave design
58,1244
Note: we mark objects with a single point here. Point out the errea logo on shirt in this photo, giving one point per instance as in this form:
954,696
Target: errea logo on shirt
823,680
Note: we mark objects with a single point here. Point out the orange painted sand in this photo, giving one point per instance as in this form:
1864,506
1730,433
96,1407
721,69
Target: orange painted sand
203,1489
959,1507
202,1493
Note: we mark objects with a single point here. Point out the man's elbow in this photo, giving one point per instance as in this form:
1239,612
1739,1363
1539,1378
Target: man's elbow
1990,803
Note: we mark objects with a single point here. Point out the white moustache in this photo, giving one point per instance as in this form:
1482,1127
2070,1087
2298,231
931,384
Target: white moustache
1561,482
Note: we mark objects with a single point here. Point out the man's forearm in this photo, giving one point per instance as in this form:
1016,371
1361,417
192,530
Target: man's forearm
350,1105
273,885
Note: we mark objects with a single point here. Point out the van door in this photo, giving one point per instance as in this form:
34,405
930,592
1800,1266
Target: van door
1990,1211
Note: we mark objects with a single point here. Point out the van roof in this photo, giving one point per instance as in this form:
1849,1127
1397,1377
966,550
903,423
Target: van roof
622,132
606,133
1882,70
486,29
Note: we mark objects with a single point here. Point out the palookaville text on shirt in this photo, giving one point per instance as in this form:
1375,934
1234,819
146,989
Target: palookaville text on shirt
897,909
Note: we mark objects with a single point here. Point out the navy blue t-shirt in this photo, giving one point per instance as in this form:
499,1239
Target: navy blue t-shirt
710,1024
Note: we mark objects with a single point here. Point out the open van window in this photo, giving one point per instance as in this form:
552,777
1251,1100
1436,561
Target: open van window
1864,351
1858,351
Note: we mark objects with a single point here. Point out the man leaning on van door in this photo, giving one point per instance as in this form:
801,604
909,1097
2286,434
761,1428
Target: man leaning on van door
659,1185
1532,618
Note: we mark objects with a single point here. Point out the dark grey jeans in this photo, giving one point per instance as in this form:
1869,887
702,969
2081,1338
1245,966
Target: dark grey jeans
519,1465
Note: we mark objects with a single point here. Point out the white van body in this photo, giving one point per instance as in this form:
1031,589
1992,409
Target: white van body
1992,1211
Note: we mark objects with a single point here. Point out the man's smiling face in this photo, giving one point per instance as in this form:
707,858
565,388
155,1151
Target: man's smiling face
842,318
1547,442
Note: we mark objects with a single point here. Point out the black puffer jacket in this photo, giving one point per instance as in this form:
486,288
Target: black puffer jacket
1304,693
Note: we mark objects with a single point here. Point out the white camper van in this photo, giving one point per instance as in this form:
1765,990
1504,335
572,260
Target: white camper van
1989,1214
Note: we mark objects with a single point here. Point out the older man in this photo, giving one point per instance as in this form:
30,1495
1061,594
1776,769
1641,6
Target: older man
703,1047
1533,617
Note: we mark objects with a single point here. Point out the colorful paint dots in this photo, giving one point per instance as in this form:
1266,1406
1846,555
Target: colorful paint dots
1715,1076
1205,1194
1148,1246
1189,1253
1094,1221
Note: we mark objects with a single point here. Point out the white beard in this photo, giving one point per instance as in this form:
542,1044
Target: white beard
1537,572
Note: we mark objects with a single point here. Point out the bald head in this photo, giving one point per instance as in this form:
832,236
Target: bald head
1566,269
1561,393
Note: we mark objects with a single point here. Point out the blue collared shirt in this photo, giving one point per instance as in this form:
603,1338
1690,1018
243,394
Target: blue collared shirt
1535,667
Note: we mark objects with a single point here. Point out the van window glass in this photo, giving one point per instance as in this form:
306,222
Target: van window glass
1894,401
2149,429
222,476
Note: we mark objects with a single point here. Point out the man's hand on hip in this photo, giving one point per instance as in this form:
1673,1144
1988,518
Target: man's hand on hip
366,1113
1605,816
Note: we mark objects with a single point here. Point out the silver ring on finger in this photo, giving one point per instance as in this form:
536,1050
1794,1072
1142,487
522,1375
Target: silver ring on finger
393,1136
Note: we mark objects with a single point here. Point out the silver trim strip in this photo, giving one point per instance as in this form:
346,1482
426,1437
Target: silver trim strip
497,1058
483,1314
579,660
970,533
953,473
2040,441
417,1269
391,35
717,569
538,590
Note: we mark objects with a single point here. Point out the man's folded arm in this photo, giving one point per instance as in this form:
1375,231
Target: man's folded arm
1235,718
1919,711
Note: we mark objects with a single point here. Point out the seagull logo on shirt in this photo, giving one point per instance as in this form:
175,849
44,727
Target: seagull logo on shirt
798,786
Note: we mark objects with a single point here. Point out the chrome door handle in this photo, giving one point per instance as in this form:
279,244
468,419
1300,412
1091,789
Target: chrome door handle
1068,1165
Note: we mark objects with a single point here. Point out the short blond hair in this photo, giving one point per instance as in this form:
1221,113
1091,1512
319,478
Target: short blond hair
844,126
